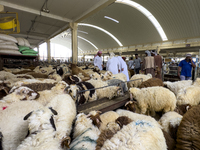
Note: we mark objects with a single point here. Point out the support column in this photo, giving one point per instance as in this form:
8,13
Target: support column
74,27
158,49
38,49
48,51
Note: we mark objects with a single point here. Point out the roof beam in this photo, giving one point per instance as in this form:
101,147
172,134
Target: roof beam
97,7
34,11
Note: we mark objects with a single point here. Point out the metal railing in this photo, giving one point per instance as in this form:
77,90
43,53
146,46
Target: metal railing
118,84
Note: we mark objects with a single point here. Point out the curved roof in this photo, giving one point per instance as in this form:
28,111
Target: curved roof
179,19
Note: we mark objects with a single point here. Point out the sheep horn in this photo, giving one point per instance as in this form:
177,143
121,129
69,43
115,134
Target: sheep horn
129,102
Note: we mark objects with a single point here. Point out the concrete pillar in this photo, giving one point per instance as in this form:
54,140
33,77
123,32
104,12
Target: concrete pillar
74,27
38,49
48,51
158,49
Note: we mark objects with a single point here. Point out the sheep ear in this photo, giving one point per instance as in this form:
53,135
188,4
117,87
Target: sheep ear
53,111
52,122
129,102
187,108
28,115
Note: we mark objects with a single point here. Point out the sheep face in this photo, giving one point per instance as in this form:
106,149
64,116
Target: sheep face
95,76
134,92
60,86
41,119
24,93
72,91
130,105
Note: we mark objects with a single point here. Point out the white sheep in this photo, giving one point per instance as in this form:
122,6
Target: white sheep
66,109
85,132
42,131
12,125
47,95
142,133
20,94
170,122
95,76
107,117
176,86
138,82
109,75
55,77
153,99
108,92
189,95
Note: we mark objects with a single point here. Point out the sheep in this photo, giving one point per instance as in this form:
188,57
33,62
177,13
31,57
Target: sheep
37,75
76,71
40,86
171,144
86,131
4,90
30,81
139,134
197,82
189,95
151,82
6,75
47,95
95,76
20,94
176,86
55,77
71,79
108,75
112,128
138,82
63,71
117,82
182,109
188,135
153,99
107,117
42,131
83,97
1,140
170,122
12,125
66,108
108,92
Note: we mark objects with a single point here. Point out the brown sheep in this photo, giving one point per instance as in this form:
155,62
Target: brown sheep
40,86
182,109
109,133
151,82
22,72
37,75
171,144
76,70
188,135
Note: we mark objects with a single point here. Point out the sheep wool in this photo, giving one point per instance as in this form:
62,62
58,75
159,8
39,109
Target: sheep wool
42,131
107,117
151,82
176,86
189,95
170,122
153,99
12,125
188,135
138,82
197,82
66,108
138,135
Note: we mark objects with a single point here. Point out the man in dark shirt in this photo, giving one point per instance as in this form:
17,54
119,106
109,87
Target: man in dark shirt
186,66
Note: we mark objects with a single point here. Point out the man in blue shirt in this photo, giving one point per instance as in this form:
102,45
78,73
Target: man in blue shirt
186,68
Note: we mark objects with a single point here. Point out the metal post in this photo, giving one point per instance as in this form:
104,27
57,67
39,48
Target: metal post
48,51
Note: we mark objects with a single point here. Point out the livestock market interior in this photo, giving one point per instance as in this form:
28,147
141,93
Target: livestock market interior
99,75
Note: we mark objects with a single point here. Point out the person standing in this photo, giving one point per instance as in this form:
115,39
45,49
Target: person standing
113,64
148,65
186,66
158,62
123,67
98,60
137,64
130,64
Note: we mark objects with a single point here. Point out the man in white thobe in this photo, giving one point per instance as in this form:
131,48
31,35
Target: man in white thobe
98,60
123,67
113,64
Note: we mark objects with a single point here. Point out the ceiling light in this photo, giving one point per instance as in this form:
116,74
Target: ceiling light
99,28
111,19
147,14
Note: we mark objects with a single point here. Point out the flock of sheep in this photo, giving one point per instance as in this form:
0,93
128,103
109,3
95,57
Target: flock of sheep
38,111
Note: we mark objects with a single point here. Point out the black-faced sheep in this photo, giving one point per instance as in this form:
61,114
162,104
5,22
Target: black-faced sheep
182,109
151,82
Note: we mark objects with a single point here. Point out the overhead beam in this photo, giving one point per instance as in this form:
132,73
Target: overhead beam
34,11
59,31
97,7
23,34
